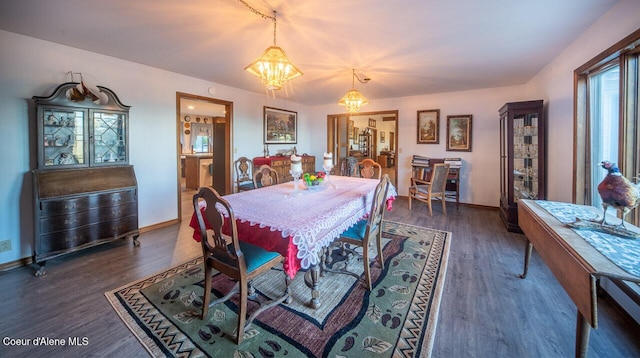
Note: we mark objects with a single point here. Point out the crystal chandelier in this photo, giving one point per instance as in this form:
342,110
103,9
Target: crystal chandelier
353,100
273,67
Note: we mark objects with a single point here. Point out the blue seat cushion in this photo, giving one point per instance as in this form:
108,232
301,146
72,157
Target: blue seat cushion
357,231
256,256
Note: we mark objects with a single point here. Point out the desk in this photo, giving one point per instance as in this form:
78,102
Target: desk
573,260
300,227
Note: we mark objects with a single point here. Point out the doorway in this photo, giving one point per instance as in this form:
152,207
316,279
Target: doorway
364,135
203,132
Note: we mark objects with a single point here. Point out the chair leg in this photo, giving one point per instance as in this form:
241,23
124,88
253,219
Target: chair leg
409,201
207,292
444,206
429,204
242,314
380,255
367,268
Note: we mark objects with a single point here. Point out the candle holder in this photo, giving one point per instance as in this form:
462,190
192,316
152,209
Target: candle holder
327,168
296,176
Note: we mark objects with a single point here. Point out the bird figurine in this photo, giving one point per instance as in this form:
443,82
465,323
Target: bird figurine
617,191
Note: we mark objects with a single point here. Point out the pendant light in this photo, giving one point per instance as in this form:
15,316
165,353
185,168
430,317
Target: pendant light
353,100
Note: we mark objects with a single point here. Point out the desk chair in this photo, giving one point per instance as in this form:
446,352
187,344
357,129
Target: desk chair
365,232
426,191
239,261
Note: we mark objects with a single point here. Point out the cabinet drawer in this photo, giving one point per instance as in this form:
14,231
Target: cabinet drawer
60,206
81,236
279,163
92,216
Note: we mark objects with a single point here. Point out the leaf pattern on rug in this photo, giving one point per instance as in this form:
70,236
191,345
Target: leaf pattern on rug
187,316
188,298
375,345
167,286
400,289
399,304
374,313
219,315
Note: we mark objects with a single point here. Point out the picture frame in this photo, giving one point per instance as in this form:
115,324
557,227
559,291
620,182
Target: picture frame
381,137
428,126
372,123
350,129
459,130
280,126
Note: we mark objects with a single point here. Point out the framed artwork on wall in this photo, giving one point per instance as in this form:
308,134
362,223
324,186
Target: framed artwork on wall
280,126
381,137
350,129
459,133
372,123
429,126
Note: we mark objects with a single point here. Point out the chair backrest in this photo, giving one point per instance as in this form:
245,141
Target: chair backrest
368,169
265,176
243,166
220,250
439,176
374,224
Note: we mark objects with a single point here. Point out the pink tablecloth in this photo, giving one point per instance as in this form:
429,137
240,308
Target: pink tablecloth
299,226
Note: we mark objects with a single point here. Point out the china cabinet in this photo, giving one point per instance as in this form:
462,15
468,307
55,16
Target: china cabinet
364,143
522,157
85,192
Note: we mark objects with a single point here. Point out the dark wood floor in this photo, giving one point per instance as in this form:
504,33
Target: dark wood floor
487,311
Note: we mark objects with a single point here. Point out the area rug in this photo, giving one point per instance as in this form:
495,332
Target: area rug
396,319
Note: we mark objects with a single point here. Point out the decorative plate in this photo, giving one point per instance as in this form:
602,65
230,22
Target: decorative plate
187,119
198,119
186,131
187,125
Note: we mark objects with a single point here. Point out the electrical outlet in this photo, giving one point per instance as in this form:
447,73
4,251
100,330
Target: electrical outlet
5,245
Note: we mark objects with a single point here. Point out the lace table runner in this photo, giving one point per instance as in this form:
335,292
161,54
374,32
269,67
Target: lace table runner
625,253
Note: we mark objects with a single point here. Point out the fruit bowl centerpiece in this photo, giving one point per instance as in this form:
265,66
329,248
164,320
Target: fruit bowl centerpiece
313,181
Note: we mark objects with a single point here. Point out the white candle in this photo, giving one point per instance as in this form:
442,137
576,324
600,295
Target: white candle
328,159
296,163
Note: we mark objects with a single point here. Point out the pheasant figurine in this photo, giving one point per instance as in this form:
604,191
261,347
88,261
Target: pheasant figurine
617,191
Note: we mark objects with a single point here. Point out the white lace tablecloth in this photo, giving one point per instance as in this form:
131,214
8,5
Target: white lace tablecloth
313,219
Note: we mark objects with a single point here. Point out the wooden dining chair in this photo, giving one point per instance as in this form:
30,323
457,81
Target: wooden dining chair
238,260
244,177
265,176
434,189
370,169
365,232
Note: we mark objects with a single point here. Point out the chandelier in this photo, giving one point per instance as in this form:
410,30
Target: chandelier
273,67
353,100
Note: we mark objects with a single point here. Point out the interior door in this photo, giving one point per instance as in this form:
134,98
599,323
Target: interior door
338,139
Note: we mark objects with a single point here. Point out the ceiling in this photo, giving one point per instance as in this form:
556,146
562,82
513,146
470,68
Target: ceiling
409,47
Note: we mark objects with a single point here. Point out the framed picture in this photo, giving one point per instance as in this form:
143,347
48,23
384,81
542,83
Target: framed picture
429,126
459,133
350,129
372,123
280,126
381,137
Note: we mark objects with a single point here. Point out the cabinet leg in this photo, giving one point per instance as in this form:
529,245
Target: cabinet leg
527,257
136,243
40,271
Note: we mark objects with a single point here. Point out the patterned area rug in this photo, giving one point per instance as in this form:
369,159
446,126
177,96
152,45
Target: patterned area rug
396,319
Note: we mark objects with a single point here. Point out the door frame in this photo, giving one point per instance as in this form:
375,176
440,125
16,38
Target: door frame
228,158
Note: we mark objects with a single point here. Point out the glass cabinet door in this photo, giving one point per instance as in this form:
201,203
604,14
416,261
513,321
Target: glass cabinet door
109,137
63,137
525,156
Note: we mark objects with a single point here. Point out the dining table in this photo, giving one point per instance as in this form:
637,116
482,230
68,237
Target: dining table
300,222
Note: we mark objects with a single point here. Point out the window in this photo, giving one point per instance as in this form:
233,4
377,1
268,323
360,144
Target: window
201,144
606,119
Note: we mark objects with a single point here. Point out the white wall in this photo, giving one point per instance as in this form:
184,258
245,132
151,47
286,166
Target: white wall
31,67
480,175
554,84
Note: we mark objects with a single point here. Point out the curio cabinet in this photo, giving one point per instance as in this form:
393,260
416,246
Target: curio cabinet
522,157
